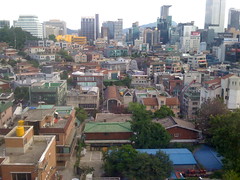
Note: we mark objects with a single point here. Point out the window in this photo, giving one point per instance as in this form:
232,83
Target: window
21,176
176,135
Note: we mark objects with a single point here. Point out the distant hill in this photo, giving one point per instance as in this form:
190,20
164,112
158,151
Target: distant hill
71,31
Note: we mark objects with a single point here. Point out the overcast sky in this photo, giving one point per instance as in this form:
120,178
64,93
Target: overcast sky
143,11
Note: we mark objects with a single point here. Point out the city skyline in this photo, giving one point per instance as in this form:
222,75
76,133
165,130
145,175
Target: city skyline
129,11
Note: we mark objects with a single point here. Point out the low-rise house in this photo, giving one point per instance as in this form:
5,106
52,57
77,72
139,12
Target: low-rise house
151,104
140,80
180,130
58,121
49,92
85,97
111,117
25,156
107,134
174,104
120,64
88,79
43,58
6,113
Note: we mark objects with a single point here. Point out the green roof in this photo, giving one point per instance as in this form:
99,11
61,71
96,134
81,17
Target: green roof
52,84
5,105
102,127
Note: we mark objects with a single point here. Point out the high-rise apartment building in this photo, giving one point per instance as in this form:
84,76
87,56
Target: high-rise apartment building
215,15
4,23
97,25
31,24
164,23
118,30
234,18
55,27
165,11
110,26
90,27
87,28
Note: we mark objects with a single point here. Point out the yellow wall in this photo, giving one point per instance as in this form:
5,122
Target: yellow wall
72,39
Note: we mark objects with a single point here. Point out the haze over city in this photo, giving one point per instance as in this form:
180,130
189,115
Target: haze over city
138,90
130,11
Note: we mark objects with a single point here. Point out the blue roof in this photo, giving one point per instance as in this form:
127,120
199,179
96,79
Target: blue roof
179,156
208,158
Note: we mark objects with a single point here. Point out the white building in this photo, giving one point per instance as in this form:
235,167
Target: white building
215,15
118,30
188,37
30,24
226,87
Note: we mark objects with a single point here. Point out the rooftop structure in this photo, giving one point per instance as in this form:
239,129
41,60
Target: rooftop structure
26,151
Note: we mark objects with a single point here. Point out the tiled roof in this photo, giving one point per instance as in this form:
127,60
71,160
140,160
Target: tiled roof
214,81
227,76
169,122
111,117
150,101
112,93
102,127
173,101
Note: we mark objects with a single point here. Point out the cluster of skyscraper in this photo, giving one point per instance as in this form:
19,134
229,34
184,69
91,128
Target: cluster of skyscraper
163,33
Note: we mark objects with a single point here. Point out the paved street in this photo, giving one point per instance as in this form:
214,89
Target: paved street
93,159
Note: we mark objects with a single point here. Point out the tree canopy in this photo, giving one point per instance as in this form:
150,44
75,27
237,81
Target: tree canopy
21,94
129,163
149,135
64,54
81,114
146,134
226,138
52,37
15,37
139,112
209,108
163,112
124,82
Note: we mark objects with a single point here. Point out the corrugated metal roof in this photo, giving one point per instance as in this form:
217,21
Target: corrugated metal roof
179,156
103,127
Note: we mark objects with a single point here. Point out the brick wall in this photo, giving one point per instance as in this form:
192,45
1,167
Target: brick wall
181,133
109,136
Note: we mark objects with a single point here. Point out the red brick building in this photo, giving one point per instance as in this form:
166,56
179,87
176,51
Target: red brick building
180,130
106,134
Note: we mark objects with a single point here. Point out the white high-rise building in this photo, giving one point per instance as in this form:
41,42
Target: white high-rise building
118,30
31,24
215,15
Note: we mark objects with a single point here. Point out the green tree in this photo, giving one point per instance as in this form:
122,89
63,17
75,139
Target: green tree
129,163
64,75
52,37
15,36
81,114
139,112
163,112
226,138
231,175
149,135
21,94
208,109
146,134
